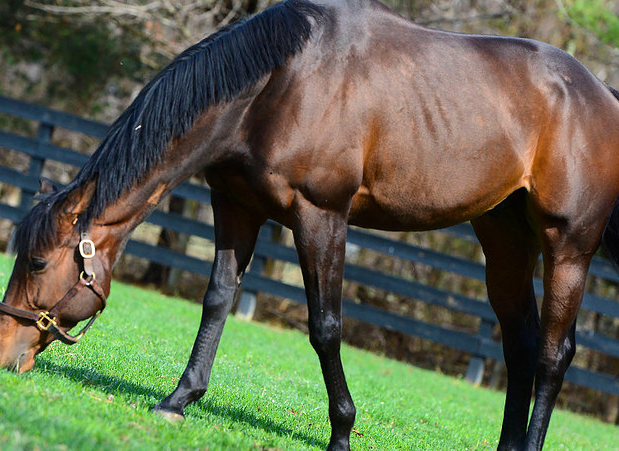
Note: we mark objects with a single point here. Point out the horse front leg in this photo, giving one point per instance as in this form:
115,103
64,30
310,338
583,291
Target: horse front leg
320,238
236,231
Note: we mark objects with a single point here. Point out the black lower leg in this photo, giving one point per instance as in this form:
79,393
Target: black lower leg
521,350
511,248
236,231
194,381
320,238
565,270
325,339
548,382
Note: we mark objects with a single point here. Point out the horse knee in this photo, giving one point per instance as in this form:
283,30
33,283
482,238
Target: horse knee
217,302
326,334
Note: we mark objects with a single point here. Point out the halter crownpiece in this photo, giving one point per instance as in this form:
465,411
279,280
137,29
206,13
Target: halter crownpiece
46,321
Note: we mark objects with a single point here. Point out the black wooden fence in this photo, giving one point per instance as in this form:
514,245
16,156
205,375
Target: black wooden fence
480,345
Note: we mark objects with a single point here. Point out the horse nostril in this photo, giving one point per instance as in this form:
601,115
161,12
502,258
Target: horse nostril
14,368
17,364
19,361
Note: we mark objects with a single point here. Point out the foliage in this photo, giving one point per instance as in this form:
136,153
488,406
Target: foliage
266,392
596,17
91,51
86,54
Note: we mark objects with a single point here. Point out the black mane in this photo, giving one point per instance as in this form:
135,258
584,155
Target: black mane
213,71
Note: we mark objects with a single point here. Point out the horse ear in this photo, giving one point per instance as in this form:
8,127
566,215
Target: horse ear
46,186
77,202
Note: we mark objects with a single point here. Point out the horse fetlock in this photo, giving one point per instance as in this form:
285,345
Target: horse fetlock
195,395
511,445
342,444
343,415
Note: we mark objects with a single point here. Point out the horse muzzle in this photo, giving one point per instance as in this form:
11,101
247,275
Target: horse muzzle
17,357
23,363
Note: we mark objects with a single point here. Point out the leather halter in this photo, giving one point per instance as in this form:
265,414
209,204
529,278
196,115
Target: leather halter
46,321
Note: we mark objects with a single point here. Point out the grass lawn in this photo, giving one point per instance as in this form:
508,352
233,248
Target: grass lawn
266,392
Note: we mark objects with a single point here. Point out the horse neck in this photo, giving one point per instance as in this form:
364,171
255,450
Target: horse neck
112,229
213,135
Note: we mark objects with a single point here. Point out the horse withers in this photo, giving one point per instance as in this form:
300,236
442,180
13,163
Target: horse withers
319,115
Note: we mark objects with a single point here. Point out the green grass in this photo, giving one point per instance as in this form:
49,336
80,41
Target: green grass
266,392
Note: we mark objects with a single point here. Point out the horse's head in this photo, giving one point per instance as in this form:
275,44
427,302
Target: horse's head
58,280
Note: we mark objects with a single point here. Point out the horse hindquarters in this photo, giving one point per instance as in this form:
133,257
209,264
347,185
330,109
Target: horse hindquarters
511,236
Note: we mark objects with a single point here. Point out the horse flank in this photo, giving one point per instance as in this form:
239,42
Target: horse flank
213,71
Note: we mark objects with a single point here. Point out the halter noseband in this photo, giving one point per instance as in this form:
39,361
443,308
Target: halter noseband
46,321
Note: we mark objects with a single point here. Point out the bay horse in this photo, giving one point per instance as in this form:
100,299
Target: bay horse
319,115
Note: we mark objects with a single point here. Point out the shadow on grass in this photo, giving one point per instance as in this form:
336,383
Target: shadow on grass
114,385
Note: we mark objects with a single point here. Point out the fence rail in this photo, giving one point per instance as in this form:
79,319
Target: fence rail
480,345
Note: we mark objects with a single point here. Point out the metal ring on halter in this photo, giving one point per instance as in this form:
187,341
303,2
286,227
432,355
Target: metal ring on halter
92,277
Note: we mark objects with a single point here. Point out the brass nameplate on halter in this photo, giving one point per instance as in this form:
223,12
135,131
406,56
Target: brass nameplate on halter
87,248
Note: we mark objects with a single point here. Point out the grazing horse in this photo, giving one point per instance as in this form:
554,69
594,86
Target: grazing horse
338,112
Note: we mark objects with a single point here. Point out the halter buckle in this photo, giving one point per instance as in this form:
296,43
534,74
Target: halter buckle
44,316
87,248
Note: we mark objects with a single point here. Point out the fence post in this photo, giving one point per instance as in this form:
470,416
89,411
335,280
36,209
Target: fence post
247,301
35,168
475,370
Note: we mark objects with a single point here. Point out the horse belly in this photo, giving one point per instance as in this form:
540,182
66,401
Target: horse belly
442,192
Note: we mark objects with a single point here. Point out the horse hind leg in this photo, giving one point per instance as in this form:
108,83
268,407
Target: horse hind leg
511,249
567,254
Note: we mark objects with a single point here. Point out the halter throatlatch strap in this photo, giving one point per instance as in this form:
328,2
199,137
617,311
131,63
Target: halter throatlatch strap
47,321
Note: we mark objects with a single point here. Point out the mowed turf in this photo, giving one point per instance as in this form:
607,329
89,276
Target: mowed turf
266,392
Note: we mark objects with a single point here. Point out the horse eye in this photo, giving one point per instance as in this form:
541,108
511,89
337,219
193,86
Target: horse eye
36,264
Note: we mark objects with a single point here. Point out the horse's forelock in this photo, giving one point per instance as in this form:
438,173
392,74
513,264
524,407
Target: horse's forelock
38,230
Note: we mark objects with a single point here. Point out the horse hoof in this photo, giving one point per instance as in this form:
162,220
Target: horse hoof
172,417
